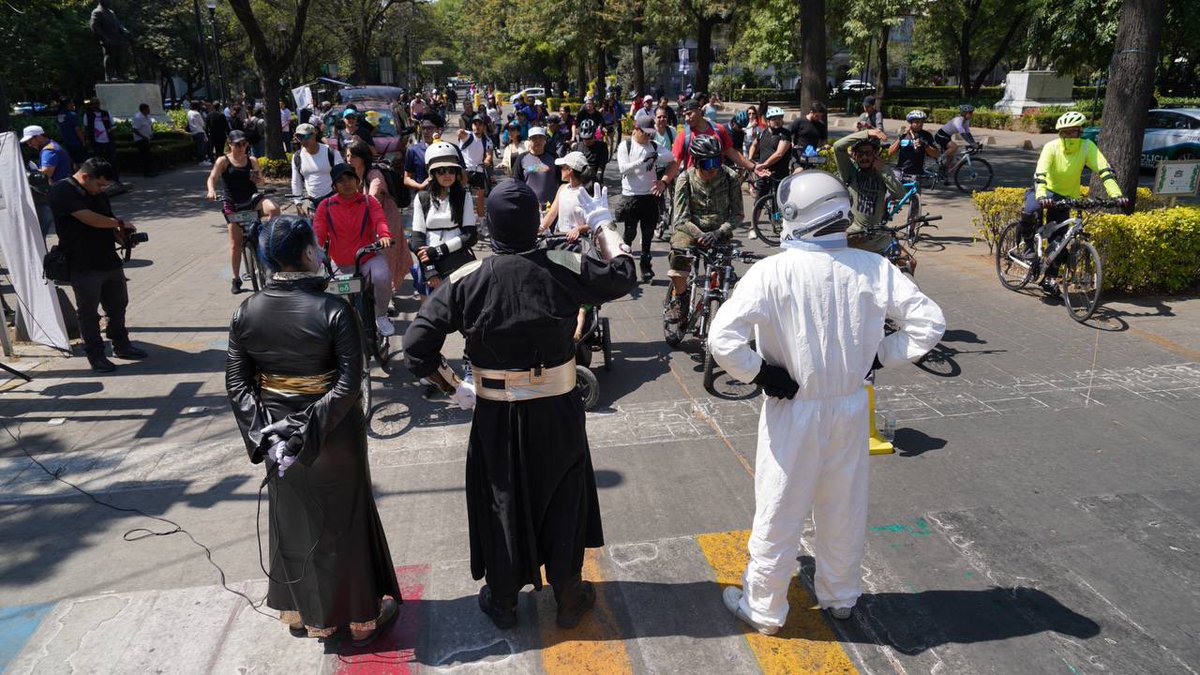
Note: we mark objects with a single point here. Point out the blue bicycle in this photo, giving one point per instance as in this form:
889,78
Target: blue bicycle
910,231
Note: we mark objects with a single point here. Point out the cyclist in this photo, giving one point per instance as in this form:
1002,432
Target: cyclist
696,125
641,188
360,156
911,147
664,132
960,125
349,220
1057,176
444,226
536,167
809,132
557,138
594,150
869,183
477,154
771,150
311,164
737,126
241,178
871,117
708,207
588,111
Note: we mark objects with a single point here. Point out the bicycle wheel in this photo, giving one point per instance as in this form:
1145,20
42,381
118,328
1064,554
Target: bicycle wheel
1082,279
1013,273
364,386
912,233
662,230
709,363
973,177
250,268
767,221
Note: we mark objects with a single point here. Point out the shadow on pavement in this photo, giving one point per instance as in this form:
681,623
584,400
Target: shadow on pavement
914,442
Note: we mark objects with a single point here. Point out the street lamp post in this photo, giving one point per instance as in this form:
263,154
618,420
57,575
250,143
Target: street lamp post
203,49
212,19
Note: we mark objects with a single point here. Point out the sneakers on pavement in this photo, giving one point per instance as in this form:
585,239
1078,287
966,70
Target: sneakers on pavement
732,597
129,352
503,617
100,363
384,324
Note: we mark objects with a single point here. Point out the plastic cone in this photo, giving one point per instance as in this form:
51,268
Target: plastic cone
877,443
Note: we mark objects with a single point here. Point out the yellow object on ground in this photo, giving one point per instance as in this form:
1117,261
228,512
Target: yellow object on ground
878,444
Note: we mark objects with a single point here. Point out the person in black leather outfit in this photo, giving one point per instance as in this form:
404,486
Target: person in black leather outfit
293,375
531,490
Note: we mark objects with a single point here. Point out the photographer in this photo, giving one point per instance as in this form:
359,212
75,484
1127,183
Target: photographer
87,232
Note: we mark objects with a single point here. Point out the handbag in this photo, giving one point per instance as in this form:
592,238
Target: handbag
55,266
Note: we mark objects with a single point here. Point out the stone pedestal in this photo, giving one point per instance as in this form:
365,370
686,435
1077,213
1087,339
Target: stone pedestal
1028,89
121,99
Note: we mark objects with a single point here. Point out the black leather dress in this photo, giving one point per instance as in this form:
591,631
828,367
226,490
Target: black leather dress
295,356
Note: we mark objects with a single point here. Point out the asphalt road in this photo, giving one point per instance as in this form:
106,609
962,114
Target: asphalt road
1040,516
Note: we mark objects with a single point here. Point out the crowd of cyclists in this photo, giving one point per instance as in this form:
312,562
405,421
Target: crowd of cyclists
675,162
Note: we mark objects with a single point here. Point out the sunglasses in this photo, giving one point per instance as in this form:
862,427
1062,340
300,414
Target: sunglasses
710,163
443,170
428,127
303,137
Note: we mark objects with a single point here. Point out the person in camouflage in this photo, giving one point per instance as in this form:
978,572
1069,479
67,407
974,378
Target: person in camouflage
869,183
708,206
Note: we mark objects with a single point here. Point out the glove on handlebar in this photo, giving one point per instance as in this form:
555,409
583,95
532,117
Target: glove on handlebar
776,382
710,239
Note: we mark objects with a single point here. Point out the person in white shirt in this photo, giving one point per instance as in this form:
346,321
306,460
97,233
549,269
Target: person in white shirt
477,154
637,160
444,227
143,131
195,127
311,164
564,215
285,125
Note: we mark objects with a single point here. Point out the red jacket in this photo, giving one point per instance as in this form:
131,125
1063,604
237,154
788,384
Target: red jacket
340,223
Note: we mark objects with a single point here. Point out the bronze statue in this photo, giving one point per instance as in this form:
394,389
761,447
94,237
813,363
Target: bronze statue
113,38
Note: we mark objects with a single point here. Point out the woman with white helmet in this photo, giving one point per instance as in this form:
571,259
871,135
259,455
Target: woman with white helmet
817,311
444,227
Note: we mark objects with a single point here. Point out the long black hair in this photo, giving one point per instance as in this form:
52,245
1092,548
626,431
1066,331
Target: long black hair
362,150
457,195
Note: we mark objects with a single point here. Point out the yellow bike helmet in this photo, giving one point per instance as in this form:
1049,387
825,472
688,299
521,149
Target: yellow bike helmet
1070,119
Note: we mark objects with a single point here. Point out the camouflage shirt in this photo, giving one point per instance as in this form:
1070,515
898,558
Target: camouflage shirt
706,206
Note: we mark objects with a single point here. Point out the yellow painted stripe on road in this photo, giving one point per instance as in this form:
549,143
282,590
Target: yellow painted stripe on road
805,644
597,645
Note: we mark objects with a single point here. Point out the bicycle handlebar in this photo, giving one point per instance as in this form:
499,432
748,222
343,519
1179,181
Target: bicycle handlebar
366,250
1085,203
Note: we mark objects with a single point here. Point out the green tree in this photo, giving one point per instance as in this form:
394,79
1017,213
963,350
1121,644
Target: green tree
965,30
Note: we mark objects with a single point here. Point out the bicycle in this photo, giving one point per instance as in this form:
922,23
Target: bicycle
300,204
356,288
666,211
971,173
712,280
1067,246
766,217
247,216
916,220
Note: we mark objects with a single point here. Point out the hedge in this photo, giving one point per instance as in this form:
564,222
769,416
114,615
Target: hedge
1156,249
1039,122
756,94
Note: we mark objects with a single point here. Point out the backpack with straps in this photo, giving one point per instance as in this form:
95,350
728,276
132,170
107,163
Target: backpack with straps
296,158
394,180
426,200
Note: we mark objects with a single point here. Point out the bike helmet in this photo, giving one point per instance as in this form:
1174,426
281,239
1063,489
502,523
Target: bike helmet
966,108
869,140
815,206
441,153
704,147
587,127
774,112
914,115
742,119
1070,119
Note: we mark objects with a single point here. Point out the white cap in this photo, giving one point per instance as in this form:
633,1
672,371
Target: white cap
536,131
573,159
31,131
647,97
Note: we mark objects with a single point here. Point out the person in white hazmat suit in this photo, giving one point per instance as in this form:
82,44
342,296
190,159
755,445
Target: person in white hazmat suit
816,310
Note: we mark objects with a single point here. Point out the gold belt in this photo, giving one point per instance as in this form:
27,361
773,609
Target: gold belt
298,384
523,385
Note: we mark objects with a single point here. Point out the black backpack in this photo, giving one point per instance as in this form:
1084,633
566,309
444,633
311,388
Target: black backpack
395,183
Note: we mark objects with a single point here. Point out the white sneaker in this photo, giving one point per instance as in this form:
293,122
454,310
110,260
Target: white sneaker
732,597
753,234
385,326
841,613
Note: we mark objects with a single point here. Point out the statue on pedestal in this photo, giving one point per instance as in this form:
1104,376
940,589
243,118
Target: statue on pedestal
113,40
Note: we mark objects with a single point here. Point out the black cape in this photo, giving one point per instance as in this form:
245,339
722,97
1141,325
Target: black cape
531,490
325,532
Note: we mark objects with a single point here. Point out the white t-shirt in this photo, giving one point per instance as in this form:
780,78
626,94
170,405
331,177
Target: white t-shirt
313,178
568,202
101,133
637,176
438,225
142,127
474,150
195,122
285,119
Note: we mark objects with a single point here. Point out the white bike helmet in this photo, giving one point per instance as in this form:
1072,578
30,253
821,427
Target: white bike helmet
914,115
1070,119
441,153
815,207
774,112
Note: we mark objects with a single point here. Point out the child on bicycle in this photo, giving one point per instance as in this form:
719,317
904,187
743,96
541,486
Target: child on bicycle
349,220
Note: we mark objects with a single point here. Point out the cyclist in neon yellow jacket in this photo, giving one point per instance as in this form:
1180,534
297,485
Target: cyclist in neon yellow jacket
1058,176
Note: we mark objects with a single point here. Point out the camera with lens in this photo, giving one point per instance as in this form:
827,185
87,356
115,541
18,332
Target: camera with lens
135,238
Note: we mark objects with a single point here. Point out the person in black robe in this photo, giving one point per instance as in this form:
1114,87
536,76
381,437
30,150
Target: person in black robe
531,490
293,375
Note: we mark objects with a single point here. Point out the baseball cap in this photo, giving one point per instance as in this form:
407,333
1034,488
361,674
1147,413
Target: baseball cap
349,112
536,131
573,159
647,98
236,137
690,104
645,121
31,131
341,169
306,129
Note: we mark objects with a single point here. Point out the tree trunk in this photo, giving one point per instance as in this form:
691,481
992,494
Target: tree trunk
564,68
581,77
704,32
601,74
271,94
1130,87
639,61
812,38
964,61
881,81
1013,28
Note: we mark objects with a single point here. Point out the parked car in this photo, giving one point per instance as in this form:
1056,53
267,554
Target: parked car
388,143
29,108
1170,134
530,93
856,87
371,92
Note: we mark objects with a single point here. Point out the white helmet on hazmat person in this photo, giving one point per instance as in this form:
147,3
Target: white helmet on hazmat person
815,207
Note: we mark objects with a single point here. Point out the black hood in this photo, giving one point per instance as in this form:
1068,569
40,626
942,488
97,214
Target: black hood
513,217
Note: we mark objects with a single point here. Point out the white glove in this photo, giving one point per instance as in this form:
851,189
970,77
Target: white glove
464,395
278,454
594,210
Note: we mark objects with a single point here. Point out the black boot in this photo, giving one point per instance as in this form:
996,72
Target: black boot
574,598
502,613
647,268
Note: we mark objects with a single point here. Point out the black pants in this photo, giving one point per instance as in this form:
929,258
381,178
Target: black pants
145,159
107,151
639,212
95,289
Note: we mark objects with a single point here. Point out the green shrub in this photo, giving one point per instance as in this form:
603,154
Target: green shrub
276,168
1156,249
755,94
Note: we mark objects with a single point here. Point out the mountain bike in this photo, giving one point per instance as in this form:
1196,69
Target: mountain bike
766,217
666,211
712,280
246,215
916,221
1063,258
356,288
971,173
